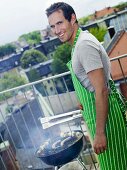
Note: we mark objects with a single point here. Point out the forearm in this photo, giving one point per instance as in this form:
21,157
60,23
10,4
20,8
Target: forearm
97,79
101,110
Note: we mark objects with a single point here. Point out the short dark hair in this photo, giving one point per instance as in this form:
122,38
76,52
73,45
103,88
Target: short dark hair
66,8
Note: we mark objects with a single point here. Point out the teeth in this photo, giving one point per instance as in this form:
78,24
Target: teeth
61,35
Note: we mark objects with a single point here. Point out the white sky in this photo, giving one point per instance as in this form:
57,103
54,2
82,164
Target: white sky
18,17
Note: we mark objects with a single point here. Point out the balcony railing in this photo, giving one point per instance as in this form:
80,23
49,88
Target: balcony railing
21,131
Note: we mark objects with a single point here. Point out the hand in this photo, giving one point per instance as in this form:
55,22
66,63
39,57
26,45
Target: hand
100,143
80,106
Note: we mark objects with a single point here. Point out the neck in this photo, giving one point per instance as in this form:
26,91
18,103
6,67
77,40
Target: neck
74,34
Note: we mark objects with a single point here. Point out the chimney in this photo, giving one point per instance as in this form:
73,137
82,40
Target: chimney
111,31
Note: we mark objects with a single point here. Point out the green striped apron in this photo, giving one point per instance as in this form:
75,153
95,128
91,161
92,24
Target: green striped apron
115,157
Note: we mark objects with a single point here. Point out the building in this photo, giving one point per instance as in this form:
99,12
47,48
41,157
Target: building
47,47
104,13
44,70
117,47
117,20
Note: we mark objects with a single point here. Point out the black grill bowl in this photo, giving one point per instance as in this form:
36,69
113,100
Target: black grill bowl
64,156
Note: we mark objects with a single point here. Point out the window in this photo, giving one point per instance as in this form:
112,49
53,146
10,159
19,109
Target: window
51,88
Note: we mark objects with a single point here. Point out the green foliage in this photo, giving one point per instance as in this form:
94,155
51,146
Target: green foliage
61,56
33,75
31,38
84,20
7,50
32,57
9,81
121,6
99,33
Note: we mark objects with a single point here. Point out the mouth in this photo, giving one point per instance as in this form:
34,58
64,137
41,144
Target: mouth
61,35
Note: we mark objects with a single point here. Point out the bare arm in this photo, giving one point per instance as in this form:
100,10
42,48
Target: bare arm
101,93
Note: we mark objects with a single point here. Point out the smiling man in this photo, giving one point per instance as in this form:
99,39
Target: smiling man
90,69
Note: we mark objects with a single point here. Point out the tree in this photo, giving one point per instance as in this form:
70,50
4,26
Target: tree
7,50
61,56
9,81
31,38
32,57
33,75
99,33
84,20
121,6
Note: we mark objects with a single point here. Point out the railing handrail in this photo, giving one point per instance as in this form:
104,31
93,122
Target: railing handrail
119,57
52,77
36,82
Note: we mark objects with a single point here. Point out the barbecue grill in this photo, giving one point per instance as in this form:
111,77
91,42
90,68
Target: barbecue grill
61,150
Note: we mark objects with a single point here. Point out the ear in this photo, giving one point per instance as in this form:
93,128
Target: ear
73,19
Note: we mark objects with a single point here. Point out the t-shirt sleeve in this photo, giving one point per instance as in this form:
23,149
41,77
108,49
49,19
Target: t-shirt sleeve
89,56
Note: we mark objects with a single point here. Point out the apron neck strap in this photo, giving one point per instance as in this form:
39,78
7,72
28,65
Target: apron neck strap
76,38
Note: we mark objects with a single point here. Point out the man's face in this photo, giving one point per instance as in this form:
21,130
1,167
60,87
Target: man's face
61,27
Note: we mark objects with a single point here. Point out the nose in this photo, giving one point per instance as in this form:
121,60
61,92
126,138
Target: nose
57,30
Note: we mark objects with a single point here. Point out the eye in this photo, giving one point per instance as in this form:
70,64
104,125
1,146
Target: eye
52,26
60,22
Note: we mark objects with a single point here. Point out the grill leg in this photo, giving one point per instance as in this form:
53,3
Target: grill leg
81,163
56,168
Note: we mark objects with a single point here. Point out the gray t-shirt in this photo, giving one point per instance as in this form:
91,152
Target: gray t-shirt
89,55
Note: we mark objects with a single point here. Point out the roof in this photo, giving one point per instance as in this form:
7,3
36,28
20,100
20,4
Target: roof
104,12
115,40
105,18
40,65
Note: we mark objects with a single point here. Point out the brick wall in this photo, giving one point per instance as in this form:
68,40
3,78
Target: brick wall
119,49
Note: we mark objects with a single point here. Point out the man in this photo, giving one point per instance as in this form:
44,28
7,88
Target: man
90,70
